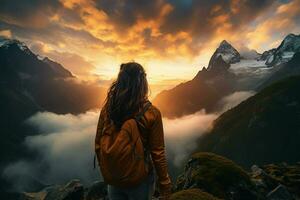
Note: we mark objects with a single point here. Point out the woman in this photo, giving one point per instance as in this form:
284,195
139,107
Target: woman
127,98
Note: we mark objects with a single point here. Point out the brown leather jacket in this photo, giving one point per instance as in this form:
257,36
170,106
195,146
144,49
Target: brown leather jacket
155,139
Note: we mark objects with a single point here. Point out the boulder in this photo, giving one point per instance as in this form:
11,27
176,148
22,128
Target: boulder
97,191
263,181
285,174
73,190
280,193
218,176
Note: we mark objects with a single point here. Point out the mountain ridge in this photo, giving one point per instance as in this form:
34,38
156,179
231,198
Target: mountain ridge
21,59
221,75
262,129
29,85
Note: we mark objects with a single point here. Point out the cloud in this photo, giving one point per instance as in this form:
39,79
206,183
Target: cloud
65,146
181,134
73,62
140,28
234,99
157,33
65,150
275,24
5,33
33,13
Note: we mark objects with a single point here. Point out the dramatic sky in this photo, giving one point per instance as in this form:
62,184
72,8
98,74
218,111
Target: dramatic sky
173,39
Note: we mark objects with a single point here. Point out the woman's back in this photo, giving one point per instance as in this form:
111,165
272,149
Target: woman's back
120,133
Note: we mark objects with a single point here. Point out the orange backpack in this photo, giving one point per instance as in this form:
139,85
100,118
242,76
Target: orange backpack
122,156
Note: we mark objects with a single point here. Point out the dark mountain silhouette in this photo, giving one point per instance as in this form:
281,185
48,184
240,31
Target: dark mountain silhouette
204,91
263,129
57,68
218,65
29,84
18,62
47,83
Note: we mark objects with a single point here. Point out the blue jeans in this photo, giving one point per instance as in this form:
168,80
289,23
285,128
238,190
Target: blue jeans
143,191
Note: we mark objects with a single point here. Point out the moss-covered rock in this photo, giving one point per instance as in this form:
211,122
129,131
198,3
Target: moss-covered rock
216,175
192,194
287,175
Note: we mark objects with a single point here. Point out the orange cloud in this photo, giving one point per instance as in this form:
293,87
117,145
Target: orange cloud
279,22
5,33
170,37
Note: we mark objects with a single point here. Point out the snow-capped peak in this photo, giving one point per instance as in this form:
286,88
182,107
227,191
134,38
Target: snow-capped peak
228,53
290,37
290,43
5,43
288,47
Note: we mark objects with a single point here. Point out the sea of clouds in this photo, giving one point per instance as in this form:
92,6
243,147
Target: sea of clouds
65,149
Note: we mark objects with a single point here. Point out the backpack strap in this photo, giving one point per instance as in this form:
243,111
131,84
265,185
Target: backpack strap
94,160
141,114
142,128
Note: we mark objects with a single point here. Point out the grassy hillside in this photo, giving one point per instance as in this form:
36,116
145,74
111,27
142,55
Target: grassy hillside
263,129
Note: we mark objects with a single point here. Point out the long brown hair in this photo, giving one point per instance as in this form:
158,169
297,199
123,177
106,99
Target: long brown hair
127,94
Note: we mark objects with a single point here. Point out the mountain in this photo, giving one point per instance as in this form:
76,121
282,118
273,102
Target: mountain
18,62
218,65
204,90
284,70
272,65
285,51
267,54
263,129
228,53
46,82
229,71
28,85
57,68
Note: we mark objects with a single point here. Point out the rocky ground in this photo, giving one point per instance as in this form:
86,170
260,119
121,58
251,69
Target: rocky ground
73,190
224,179
206,176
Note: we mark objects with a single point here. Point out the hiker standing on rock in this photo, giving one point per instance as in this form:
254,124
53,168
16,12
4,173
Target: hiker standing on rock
129,142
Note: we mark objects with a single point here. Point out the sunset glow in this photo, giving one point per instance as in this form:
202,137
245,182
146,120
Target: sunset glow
172,39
